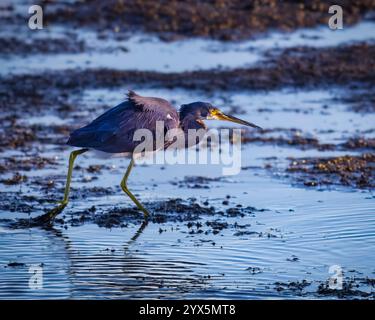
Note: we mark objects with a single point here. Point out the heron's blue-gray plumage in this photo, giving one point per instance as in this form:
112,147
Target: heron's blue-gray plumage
114,130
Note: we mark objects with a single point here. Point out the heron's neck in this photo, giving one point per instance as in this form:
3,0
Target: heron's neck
190,121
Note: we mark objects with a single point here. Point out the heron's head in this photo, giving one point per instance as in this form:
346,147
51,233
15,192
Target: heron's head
206,111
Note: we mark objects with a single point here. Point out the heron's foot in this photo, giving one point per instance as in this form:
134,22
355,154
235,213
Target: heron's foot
146,214
55,211
47,218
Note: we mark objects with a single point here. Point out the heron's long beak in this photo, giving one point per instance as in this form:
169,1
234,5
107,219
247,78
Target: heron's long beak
216,114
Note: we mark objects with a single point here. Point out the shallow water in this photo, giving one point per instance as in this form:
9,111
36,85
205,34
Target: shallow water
296,236
324,229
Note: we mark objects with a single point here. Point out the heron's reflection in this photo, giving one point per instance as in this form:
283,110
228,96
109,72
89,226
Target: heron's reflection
97,273
40,222
138,232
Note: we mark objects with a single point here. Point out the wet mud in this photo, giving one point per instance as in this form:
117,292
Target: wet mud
16,46
354,171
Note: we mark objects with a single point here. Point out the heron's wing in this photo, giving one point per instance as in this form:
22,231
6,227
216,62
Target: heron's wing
151,104
149,110
114,130
99,131
157,119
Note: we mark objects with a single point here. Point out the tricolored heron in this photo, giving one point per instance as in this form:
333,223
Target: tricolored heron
113,132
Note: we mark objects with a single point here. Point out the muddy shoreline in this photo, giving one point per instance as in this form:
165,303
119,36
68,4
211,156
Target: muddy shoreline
348,65
12,45
224,20
351,67
356,171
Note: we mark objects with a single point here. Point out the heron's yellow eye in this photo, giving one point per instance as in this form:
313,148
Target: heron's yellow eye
214,111
214,114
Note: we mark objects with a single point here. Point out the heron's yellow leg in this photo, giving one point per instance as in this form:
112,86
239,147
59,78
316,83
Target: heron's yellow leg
124,187
55,211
